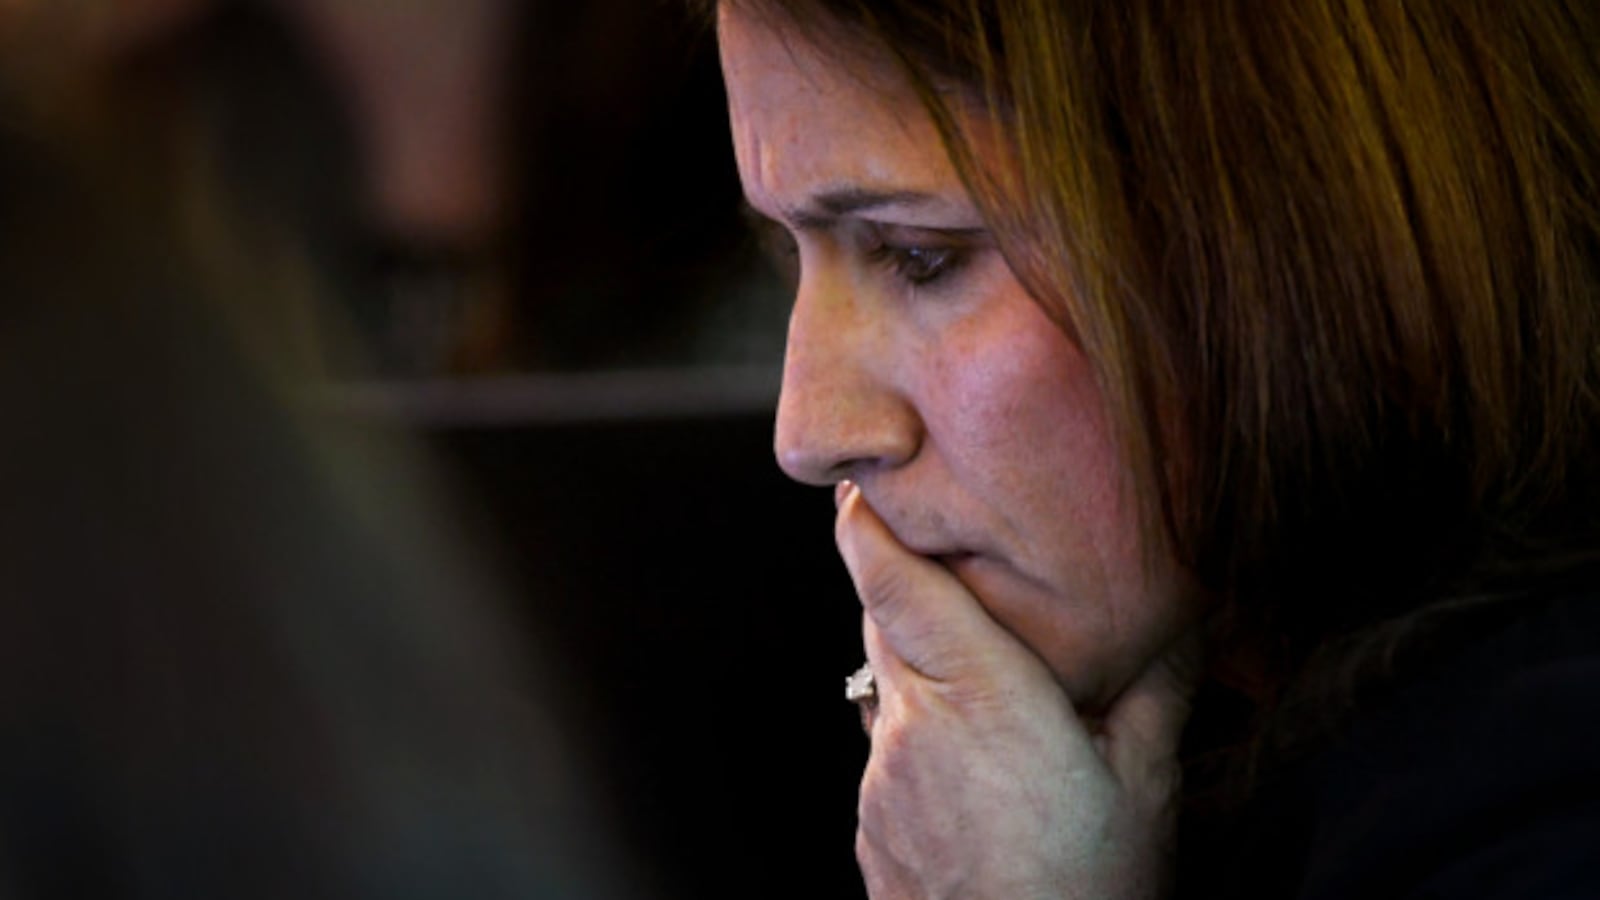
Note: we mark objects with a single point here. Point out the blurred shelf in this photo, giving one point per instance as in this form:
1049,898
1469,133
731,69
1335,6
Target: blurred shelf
560,397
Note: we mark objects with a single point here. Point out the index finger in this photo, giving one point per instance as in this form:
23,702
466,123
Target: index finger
924,613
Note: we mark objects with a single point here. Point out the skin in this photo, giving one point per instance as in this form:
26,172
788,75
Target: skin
1031,665
971,423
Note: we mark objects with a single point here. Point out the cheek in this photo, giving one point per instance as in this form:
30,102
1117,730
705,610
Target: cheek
1021,412
1025,434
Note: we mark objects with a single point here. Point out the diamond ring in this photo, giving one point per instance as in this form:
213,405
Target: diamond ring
859,687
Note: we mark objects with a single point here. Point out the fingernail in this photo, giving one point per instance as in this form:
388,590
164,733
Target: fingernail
840,491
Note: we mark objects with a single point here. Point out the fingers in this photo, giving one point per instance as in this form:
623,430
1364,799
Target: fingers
927,617
887,670
1145,724
981,776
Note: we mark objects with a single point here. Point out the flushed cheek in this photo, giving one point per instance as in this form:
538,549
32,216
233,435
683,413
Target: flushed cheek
1021,422
1024,437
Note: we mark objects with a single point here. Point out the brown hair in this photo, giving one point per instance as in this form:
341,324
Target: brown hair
1336,262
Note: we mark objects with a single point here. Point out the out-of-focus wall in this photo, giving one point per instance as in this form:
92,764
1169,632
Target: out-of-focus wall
517,230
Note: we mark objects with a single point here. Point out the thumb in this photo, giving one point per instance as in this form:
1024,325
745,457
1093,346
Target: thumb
1145,723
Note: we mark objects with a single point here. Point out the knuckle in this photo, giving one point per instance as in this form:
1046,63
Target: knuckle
863,848
894,758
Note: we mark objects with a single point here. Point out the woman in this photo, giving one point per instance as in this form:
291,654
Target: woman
1155,348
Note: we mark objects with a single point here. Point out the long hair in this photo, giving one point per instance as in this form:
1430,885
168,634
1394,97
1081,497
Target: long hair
1336,264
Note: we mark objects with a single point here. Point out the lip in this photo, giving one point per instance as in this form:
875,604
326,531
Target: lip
975,567
924,545
977,572
948,550
965,565
946,553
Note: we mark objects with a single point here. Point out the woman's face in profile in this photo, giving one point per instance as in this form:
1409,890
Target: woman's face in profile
919,368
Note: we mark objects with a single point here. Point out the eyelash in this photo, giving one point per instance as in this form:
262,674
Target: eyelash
917,266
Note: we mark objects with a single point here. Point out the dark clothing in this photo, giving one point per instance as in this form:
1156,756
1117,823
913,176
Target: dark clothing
1476,775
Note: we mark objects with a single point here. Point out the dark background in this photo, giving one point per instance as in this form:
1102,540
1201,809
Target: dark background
692,587
697,594
691,592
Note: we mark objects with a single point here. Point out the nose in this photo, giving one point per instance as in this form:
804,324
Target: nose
842,409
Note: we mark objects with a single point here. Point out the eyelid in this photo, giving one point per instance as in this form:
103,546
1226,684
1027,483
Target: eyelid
884,241
922,258
924,235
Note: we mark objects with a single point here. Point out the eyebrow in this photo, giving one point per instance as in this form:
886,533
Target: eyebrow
827,207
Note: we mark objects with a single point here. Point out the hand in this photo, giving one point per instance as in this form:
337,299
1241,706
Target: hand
983,782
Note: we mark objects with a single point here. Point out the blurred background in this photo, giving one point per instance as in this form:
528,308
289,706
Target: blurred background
509,231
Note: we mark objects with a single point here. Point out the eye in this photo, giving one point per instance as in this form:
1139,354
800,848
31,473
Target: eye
919,257
917,264
922,265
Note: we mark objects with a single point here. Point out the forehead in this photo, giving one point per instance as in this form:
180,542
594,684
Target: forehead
804,116
762,48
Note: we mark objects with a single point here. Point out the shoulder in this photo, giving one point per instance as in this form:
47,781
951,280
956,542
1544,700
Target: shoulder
1479,777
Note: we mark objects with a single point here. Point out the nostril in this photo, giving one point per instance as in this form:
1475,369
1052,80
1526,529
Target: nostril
822,452
807,446
804,463
841,417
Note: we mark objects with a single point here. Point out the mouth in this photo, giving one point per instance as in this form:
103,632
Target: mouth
949,555
946,550
965,565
